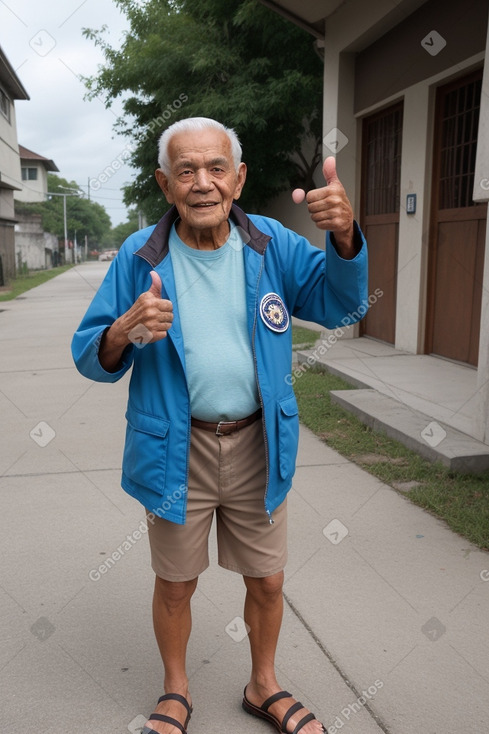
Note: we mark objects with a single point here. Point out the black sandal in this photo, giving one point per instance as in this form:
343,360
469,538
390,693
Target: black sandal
262,712
169,719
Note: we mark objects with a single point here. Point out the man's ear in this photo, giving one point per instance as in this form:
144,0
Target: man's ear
163,183
240,182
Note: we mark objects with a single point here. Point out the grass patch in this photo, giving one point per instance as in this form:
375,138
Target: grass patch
303,338
462,500
24,283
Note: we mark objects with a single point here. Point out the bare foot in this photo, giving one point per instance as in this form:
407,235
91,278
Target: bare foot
173,709
257,696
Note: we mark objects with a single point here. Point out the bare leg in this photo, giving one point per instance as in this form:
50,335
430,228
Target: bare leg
263,614
172,620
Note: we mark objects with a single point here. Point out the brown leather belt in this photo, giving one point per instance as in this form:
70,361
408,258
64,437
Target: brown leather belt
224,428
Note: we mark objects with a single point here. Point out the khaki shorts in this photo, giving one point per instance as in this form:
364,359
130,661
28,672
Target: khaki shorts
227,477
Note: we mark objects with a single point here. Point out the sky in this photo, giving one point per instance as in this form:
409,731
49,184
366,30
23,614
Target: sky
43,42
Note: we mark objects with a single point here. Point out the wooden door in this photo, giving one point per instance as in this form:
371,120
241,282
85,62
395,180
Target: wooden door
457,231
381,168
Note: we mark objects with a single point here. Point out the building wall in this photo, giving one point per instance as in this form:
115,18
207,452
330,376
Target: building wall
413,77
361,78
10,179
481,193
399,59
296,216
9,151
7,248
33,247
33,190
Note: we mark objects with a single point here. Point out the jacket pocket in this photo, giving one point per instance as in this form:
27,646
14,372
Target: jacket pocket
145,451
288,434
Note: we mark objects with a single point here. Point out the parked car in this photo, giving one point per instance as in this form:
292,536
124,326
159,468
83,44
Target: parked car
107,255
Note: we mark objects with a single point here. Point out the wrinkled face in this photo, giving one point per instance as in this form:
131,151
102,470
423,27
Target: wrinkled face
203,181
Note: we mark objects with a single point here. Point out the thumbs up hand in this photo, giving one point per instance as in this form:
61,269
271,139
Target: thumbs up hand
147,321
330,209
155,287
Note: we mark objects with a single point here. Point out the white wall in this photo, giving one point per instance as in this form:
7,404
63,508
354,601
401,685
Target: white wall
296,217
481,193
33,191
416,171
413,228
33,246
9,151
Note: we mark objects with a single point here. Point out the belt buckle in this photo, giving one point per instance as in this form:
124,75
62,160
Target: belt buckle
218,429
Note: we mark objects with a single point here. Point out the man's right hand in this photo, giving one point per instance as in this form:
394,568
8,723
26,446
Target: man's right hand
147,321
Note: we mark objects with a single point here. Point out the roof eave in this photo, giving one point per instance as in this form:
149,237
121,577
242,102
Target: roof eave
10,79
312,29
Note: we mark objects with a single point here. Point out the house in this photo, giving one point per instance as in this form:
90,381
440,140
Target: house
11,89
406,112
34,248
34,169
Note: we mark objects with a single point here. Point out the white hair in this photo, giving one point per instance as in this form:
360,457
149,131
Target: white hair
195,124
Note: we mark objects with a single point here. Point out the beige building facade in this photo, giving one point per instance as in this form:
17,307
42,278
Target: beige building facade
34,172
406,112
11,90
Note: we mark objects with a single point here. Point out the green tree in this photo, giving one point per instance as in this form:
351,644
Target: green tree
233,60
82,216
114,239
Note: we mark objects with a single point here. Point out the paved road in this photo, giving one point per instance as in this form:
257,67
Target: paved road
386,617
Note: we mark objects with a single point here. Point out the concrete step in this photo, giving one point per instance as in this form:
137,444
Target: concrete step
429,438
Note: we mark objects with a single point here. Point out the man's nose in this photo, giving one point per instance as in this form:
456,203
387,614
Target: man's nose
202,180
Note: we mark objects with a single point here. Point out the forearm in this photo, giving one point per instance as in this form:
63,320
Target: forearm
347,244
112,346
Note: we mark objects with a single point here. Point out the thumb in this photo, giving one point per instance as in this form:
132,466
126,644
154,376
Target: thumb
329,170
155,288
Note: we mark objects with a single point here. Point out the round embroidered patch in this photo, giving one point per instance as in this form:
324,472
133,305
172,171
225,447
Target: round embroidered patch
273,312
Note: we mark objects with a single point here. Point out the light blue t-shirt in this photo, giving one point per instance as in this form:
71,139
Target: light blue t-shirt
210,287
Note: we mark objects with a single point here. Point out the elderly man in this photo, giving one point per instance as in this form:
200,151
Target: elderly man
199,305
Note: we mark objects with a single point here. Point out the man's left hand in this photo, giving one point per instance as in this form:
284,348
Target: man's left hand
330,209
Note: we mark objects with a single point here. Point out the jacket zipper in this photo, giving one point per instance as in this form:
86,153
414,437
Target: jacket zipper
187,467
271,521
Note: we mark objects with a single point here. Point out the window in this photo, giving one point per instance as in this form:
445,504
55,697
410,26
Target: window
4,105
29,174
459,127
383,161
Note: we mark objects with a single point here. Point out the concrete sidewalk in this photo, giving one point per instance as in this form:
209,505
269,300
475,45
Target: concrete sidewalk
428,403
385,623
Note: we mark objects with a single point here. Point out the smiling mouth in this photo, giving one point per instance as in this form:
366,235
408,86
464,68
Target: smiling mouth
204,204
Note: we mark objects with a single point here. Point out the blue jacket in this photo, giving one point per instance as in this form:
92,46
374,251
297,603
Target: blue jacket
326,289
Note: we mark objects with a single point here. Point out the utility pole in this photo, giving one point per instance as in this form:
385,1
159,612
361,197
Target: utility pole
65,224
74,193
